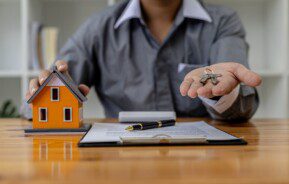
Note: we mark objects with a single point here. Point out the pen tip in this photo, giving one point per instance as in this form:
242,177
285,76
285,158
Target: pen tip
130,128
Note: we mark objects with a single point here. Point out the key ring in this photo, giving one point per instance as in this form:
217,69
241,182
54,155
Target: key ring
208,71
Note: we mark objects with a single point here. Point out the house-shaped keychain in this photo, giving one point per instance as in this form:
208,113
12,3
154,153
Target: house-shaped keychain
57,105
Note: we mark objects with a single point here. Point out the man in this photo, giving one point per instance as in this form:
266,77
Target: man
152,54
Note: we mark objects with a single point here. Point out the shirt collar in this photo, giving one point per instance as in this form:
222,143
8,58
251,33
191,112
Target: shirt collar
191,9
131,11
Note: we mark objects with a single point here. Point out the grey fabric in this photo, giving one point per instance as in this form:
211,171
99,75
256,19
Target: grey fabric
131,71
245,106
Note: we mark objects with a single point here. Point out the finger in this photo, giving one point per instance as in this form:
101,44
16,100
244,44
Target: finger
225,86
206,90
27,96
185,86
33,86
61,66
84,89
247,76
194,87
43,76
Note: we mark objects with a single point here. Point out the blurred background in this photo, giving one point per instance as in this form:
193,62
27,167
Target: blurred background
25,25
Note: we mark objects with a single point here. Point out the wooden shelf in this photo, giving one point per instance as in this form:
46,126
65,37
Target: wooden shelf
10,74
33,73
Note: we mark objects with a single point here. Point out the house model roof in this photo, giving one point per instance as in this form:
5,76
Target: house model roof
67,81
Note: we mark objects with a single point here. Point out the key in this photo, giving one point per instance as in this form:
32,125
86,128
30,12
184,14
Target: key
214,78
204,78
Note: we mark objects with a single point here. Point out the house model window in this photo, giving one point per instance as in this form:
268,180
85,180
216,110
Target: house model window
43,114
55,94
67,113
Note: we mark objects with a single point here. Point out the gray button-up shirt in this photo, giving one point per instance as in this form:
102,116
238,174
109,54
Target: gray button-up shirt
115,52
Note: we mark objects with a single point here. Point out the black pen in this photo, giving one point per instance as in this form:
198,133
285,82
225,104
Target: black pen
151,125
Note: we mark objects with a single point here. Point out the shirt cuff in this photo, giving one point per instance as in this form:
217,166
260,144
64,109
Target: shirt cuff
224,103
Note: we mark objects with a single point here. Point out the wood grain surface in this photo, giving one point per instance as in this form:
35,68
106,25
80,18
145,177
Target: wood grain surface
46,159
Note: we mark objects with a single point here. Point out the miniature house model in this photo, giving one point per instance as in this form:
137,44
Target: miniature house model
57,104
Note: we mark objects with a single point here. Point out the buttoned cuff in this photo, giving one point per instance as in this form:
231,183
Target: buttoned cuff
224,103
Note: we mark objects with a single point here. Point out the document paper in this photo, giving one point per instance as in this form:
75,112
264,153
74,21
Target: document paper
112,132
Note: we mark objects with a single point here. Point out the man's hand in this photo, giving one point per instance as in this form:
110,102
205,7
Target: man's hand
36,82
232,75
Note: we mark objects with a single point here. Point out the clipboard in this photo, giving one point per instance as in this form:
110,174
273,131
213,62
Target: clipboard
160,139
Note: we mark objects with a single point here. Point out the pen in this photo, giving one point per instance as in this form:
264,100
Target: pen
151,125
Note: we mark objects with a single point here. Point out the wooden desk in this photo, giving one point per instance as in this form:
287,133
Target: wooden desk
57,158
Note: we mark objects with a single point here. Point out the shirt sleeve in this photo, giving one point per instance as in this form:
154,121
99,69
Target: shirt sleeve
243,108
224,103
78,53
230,46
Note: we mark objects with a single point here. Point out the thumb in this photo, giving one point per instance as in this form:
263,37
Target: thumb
84,89
61,65
247,76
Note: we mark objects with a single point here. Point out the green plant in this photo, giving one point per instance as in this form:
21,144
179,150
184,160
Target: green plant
8,110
